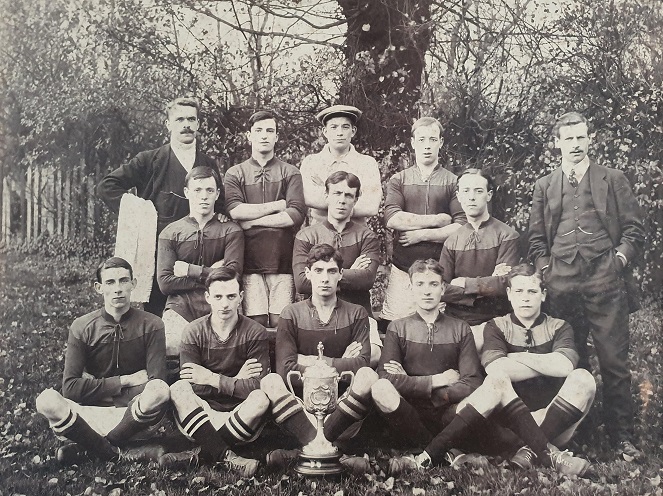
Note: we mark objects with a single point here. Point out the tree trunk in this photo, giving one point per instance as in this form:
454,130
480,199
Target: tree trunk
386,45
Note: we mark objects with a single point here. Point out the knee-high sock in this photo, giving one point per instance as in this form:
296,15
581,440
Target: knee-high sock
133,421
405,425
237,429
289,413
76,429
198,426
349,410
460,425
560,416
517,417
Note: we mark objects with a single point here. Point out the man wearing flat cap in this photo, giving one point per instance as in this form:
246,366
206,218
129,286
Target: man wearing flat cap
339,126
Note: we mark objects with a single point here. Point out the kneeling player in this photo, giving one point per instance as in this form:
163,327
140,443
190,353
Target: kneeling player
112,386
343,329
524,346
223,355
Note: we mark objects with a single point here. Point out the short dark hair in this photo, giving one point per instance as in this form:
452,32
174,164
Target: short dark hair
479,172
569,119
340,176
525,269
427,121
186,101
114,263
202,172
263,115
223,274
324,252
428,265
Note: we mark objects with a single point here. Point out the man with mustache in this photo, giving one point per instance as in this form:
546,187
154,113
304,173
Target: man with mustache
585,234
158,175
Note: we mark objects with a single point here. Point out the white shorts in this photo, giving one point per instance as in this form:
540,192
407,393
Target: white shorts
174,324
267,293
217,419
398,299
374,334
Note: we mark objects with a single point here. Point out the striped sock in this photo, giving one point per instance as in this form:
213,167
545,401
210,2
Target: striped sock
349,410
133,421
76,429
236,429
197,425
289,413
560,416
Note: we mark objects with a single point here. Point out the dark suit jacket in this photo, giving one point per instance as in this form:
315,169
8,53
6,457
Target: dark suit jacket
615,204
147,172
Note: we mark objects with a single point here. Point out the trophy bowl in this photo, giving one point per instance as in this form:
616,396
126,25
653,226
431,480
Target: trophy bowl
320,397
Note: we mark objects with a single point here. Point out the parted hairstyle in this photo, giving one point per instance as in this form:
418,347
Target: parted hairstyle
339,176
569,119
430,264
202,172
114,263
186,101
222,274
427,121
324,252
525,269
263,115
479,172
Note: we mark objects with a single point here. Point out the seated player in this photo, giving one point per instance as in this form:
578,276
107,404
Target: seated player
478,256
112,386
538,354
223,355
429,363
189,248
533,350
342,328
358,245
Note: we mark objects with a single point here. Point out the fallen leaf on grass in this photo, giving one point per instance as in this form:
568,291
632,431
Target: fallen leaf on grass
389,484
53,481
200,480
435,481
339,493
417,491
655,481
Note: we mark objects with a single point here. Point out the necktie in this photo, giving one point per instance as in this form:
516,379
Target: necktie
573,180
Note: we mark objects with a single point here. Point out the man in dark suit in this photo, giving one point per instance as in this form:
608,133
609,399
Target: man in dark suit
158,175
585,233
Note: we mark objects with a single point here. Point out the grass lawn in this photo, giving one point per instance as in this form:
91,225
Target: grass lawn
38,301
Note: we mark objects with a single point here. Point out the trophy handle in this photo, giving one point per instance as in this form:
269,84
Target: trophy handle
288,377
352,380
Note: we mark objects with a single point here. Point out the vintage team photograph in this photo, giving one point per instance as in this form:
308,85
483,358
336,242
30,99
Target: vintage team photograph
331,247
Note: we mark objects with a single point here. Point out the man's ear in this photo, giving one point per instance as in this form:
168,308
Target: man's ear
340,271
307,273
134,283
207,297
556,141
354,131
241,297
543,295
186,192
489,196
97,287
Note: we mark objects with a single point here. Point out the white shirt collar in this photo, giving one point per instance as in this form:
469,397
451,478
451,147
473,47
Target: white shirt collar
580,168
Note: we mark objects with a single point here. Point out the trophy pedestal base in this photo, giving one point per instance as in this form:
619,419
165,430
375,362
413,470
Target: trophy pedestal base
319,465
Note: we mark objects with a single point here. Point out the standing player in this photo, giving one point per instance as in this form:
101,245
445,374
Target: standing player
478,256
158,175
342,328
339,127
188,250
112,386
223,355
264,195
422,209
359,247
585,232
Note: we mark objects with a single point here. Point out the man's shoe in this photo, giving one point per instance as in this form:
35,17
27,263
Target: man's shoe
358,465
280,459
147,453
70,454
567,464
245,467
524,458
628,452
182,459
